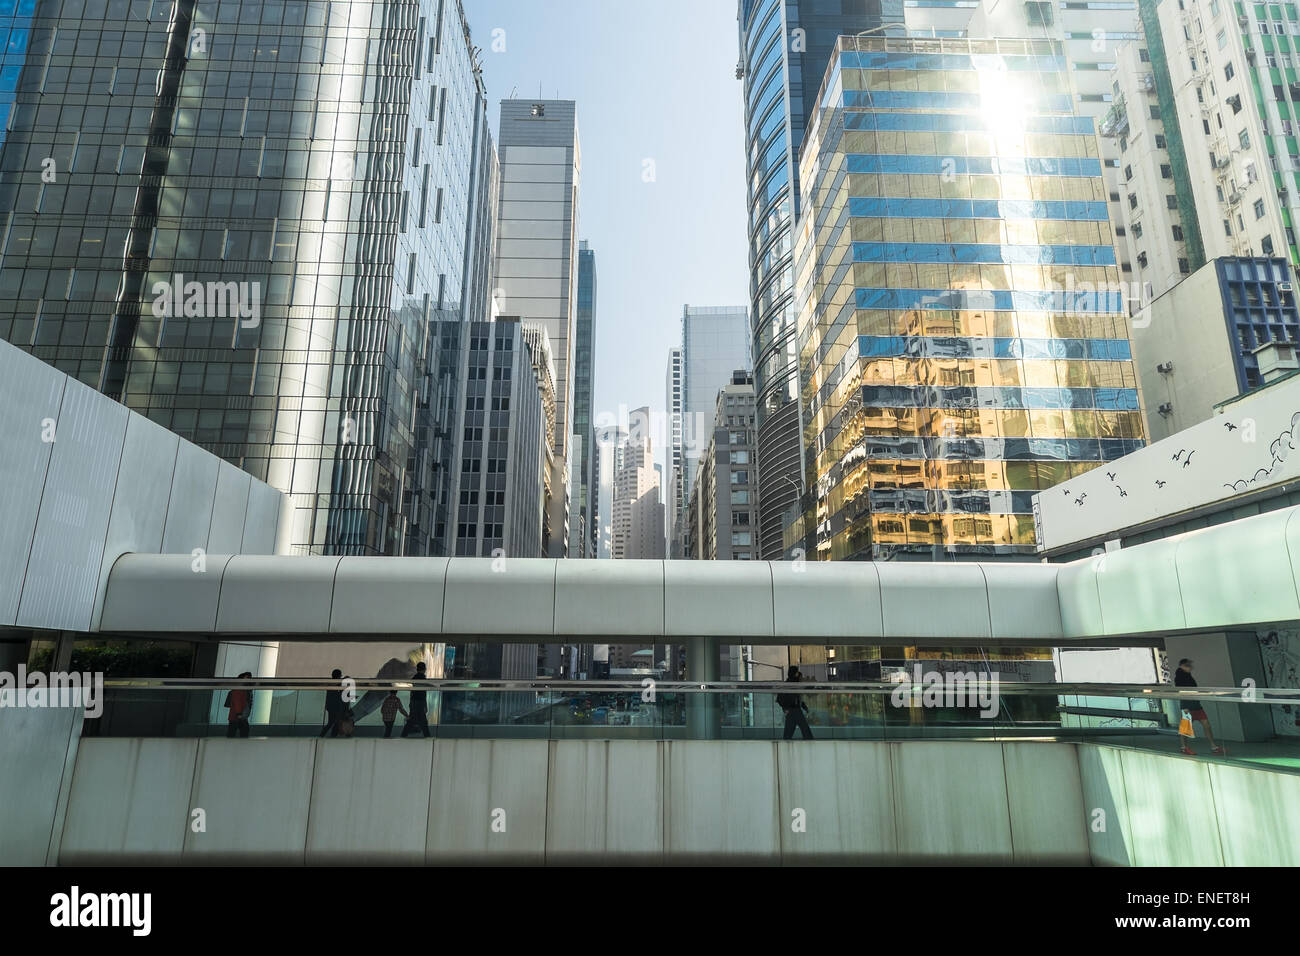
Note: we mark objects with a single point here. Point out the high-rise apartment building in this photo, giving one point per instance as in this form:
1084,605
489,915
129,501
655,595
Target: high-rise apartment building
537,254
584,522
1205,118
964,340
638,509
722,516
251,229
784,48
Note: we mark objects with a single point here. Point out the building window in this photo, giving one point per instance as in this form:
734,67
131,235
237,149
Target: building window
1228,72
1259,209
1183,266
1178,233
1128,173
1266,244
1166,171
1171,201
1137,230
1155,112
1244,138
1132,201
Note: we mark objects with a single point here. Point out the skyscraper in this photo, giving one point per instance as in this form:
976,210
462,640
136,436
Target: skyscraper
638,510
715,343
584,522
784,48
506,442
537,253
964,340
673,398
251,230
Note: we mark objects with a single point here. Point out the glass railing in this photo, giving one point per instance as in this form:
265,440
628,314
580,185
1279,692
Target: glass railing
978,709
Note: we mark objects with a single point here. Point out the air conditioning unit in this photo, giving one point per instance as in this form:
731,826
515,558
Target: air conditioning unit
1223,162
1250,54
1285,287
1166,409
1234,197
1242,19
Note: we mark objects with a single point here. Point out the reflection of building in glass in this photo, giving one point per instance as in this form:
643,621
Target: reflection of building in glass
962,326
784,48
329,172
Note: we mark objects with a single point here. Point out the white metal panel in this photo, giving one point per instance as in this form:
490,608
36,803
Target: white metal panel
129,802
719,598
1239,576
257,800
387,595
263,594
500,596
30,394
911,608
837,599
229,509
1076,591
158,592
1023,600
1139,589
261,519
63,570
189,507
144,481
609,598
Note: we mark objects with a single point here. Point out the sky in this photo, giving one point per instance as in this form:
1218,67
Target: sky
662,194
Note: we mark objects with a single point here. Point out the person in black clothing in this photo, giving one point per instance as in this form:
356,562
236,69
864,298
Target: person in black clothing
418,719
1183,678
794,708
333,707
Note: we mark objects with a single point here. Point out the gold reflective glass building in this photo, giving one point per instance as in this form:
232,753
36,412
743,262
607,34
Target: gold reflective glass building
962,326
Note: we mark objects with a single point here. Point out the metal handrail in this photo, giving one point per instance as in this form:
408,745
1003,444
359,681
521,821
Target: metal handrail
1262,695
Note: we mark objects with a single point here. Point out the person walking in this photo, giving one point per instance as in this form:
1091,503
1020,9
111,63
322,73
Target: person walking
389,710
794,707
333,707
240,704
419,716
1183,678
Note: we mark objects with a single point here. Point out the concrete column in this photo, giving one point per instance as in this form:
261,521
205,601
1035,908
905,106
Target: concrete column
703,711
61,659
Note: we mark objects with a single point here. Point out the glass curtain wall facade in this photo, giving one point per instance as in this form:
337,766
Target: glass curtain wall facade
964,342
785,46
252,220
537,254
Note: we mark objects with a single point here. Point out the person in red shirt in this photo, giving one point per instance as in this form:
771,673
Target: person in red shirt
240,704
